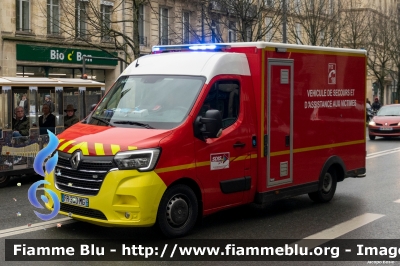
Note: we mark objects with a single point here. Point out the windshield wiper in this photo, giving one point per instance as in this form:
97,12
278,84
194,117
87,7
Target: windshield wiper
134,123
102,120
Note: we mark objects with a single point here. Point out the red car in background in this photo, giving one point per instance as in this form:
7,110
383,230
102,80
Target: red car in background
386,123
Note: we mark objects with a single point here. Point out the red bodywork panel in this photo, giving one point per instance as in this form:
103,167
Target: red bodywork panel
307,118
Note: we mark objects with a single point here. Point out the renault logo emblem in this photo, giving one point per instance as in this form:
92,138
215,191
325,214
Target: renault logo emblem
76,159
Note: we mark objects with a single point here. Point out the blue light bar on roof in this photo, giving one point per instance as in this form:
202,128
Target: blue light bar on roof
189,47
202,47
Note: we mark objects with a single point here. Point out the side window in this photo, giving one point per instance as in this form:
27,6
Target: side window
224,96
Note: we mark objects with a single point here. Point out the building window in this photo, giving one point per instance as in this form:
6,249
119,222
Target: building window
269,3
298,33
23,15
268,27
105,9
297,6
80,18
142,38
163,26
322,35
53,16
185,27
214,31
232,31
248,34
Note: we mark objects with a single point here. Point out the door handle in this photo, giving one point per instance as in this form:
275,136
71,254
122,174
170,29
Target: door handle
239,144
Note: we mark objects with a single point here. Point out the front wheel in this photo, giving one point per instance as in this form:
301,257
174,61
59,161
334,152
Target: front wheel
326,188
178,211
371,137
4,180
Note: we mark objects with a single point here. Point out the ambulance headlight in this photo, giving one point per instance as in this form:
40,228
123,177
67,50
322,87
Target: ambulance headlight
141,160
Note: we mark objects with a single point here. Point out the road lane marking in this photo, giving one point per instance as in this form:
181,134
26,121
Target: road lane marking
338,230
397,201
382,153
34,227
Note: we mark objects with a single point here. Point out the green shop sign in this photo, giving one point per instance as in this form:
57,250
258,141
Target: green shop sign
62,55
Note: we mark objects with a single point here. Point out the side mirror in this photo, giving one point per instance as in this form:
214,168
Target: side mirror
209,126
93,106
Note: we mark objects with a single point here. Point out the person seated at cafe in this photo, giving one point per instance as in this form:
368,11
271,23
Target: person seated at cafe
70,118
20,124
47,121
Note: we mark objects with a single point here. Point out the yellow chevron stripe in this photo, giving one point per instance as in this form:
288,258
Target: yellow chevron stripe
115,148
99,149
74,148
62,147
84,148
130,148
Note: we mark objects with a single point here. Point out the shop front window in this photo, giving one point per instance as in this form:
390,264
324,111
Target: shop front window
58,72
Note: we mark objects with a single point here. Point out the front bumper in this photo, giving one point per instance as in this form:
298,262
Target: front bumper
126,198
378,132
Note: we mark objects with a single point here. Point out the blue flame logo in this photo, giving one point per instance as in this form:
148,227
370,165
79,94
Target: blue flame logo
49,166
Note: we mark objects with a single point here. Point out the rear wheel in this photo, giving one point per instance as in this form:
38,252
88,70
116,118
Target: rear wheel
178,211
4,180
327,188
371,137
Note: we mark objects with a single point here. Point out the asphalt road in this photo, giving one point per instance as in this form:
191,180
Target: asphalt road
295,218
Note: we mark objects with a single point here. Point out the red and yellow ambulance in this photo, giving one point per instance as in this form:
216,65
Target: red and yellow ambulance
193,129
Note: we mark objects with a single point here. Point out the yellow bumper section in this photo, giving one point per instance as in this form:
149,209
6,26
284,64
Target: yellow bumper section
126,198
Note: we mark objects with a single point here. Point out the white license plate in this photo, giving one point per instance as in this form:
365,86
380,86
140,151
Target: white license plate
386,128
84,202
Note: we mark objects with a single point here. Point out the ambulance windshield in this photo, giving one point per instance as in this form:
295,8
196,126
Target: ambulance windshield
157,101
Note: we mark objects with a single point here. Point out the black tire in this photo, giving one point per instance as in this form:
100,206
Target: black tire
4,180
326,188
372,137
178,211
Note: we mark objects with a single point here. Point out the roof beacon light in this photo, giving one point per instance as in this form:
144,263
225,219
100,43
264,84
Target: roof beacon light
189,47
202,47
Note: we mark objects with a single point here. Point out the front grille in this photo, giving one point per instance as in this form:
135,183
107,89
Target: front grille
385,131
96,166
87,179
83,211
392,125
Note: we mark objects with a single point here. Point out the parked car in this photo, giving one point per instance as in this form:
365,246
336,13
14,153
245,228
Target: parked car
386,123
